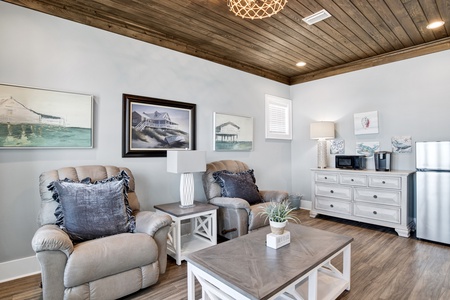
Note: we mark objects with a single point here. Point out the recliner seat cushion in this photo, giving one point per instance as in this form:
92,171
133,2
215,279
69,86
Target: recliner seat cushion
95,259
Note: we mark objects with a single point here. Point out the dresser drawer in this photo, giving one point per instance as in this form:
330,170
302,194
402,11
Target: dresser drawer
333,205
386,214
352,179
378,196
326,177
385,182
335,191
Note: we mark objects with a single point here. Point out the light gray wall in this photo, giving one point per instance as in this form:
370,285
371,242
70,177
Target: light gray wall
42,51
47,52
411,97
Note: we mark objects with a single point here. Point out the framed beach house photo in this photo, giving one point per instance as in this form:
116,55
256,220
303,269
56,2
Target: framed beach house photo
151,126
232,133
38,118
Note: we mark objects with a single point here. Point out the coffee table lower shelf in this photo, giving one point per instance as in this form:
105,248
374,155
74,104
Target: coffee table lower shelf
328,287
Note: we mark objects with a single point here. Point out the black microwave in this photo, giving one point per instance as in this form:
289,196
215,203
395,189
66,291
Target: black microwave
354,162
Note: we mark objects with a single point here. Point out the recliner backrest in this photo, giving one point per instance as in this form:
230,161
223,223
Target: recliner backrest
95,172
212,189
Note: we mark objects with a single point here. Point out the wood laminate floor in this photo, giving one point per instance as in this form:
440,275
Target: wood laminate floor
384,266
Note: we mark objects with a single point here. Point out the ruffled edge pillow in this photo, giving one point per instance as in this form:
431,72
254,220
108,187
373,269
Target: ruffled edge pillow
238,185
88,210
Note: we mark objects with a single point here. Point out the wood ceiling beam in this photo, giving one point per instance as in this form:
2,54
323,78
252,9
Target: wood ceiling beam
411,52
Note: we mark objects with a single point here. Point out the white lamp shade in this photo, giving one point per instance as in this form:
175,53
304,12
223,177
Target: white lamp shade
322,130
186,161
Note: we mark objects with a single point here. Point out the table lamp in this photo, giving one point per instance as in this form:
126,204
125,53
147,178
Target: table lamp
322,131
186,162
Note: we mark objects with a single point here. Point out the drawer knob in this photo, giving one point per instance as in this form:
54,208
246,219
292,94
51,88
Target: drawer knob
375,196
326,177
331,205
352,179
374,212
383,182
332,191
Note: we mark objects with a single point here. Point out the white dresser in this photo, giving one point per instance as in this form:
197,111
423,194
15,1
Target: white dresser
381,198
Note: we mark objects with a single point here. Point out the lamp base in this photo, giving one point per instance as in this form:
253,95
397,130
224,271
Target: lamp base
187,190
322,154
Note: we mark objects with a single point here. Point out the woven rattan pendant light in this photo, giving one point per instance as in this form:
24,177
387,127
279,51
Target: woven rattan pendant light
256,9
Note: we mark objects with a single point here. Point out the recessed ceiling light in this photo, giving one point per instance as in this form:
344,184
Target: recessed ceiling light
435,24
300,64
317,17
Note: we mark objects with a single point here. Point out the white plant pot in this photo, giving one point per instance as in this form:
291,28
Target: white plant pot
277,227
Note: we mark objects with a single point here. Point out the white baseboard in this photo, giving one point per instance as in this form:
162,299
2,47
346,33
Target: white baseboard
18,268
305,204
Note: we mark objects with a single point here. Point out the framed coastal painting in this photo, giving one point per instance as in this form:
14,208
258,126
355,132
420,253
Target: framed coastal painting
233,133
367,148
152,126
34,118
366,123
337,146
401,144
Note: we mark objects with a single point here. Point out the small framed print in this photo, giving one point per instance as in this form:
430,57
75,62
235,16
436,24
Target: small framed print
337,146
401,144
232,133
367,148
366,123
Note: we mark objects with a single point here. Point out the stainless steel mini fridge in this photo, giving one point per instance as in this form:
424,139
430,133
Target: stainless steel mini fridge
433,191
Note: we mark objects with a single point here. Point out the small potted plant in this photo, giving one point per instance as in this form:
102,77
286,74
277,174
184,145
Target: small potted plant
278,214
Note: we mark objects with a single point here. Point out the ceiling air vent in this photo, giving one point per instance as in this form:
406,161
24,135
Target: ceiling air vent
317,17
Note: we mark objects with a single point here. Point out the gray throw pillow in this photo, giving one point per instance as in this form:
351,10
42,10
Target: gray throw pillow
238,185
92,210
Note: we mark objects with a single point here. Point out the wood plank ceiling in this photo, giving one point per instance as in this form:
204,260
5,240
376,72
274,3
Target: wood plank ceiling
360,33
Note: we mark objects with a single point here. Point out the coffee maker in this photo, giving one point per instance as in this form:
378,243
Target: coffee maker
382,160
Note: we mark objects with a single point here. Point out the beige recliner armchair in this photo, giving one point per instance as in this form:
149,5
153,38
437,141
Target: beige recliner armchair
235,216
103,268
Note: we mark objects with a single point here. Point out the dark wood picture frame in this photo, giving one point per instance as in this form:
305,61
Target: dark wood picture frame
152,126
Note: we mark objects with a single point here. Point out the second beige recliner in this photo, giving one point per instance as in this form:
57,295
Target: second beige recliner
236,216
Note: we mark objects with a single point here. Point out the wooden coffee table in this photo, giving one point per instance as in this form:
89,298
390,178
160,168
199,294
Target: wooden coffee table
245,268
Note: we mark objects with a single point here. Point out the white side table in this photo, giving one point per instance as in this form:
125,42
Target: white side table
203,233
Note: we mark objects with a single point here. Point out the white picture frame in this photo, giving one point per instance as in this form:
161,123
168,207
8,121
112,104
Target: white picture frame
232,133
367,148
278,118
36,118
401,144
337,146
366,123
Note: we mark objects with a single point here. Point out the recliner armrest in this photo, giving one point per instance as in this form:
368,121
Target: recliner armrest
276,196
52,238
229,202
157,225
150,222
